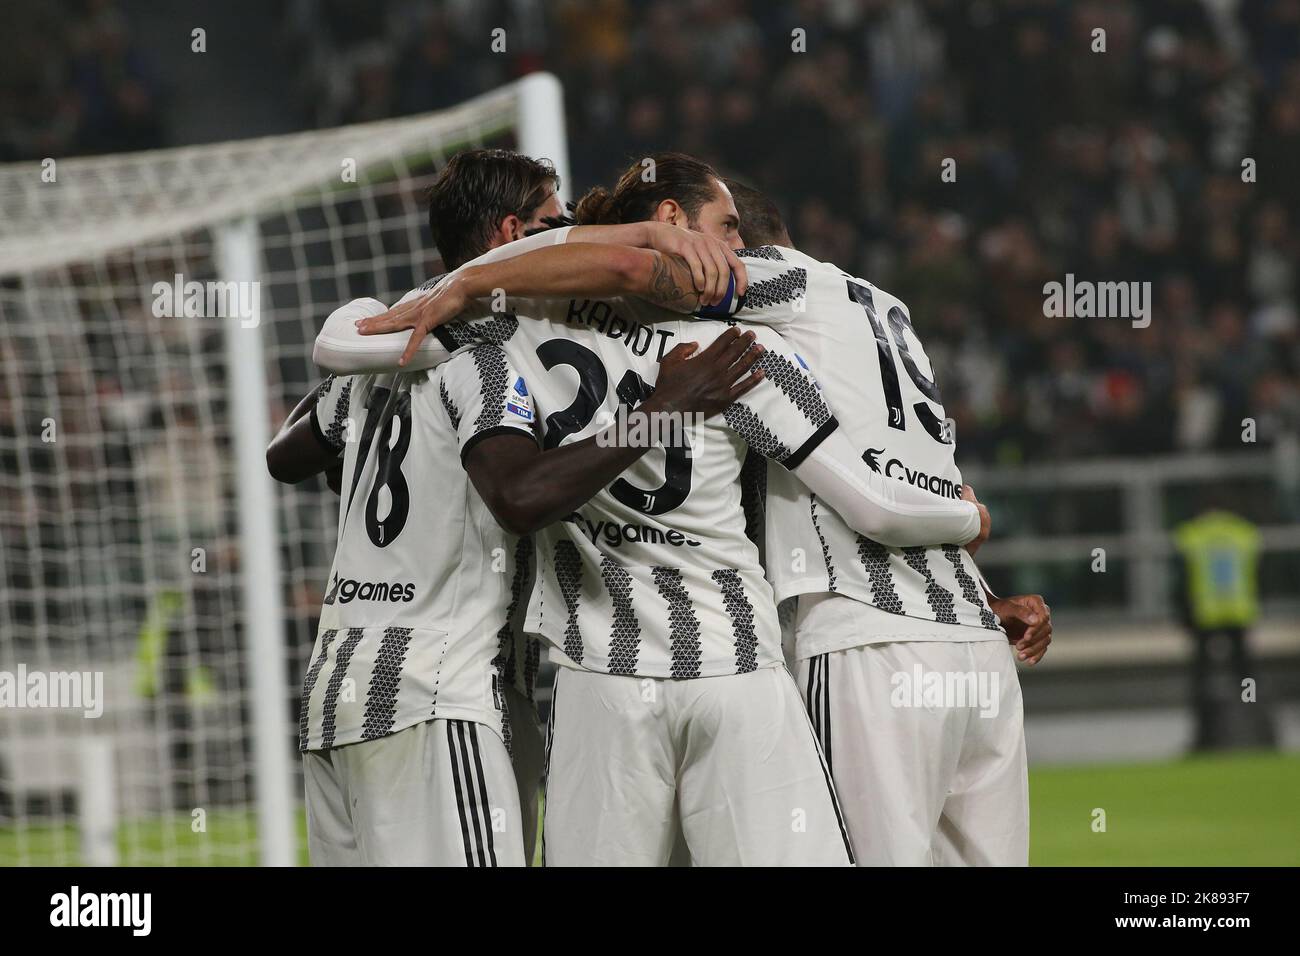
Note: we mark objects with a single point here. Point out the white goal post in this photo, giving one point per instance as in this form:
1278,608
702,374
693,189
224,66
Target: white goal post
156,317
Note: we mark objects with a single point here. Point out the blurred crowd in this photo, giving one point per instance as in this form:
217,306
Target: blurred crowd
1119,165
1169,156
75,79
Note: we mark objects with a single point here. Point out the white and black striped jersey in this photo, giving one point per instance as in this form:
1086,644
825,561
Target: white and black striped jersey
423,609
877,376
654,576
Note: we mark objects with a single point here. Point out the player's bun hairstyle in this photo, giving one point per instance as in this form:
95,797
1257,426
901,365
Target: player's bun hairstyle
596,208
688,181
760,221
476,190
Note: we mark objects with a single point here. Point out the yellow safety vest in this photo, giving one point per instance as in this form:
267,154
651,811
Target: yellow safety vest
1221,554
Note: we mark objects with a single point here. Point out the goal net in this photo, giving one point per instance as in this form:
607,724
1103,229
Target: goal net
158,593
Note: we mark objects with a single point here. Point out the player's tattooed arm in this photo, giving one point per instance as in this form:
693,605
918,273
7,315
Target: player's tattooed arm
713,264
669,284
568,270
295,453
526,488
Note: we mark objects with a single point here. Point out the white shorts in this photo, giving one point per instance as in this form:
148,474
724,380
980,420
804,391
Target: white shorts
923,778
526,744
440,793
733,760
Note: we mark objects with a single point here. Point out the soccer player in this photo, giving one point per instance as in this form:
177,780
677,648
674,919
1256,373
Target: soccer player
488,199
514,194
404,725
902,656
672,704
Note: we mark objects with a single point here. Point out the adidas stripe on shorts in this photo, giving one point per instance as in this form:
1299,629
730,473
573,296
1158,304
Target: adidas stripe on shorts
439,793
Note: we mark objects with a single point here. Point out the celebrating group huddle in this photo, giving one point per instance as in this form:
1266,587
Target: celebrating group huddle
467,431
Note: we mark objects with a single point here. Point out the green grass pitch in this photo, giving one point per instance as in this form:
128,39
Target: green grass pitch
1238,810
1232,810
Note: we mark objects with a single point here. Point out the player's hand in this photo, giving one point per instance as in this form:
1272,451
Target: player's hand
421,315
707,382
711,261
1028,622
986,523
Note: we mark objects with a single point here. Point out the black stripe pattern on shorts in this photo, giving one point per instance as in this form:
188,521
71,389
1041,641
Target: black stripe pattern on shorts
472,804
819,717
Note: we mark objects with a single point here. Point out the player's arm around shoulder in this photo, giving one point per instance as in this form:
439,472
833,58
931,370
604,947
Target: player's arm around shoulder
592,270
695,261
555,274
341,348
679,270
